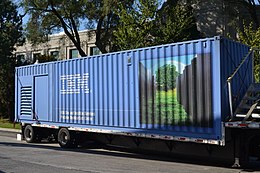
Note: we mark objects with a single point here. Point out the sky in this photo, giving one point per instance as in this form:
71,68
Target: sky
180,62
21,11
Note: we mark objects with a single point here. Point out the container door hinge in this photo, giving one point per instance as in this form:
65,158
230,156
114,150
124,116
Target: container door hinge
129,61
204,44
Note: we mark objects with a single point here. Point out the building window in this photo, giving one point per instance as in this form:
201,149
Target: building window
94,51
20,58
74,53
36,57
55,54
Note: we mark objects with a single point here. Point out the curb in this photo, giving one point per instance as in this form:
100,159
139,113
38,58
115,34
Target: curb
10,130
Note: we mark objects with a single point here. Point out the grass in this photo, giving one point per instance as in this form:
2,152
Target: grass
166,109
5,123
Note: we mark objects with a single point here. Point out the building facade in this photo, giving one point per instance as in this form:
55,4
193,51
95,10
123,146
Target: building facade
58,46
221,17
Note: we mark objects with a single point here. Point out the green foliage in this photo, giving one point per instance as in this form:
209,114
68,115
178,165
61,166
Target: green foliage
10,34
146,24
10,29
251,37
6,123
175,23
50,16
47,16
166,77
107,21
257,68
119,25
135,25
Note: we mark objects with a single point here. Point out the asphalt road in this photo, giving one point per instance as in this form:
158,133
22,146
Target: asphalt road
19,156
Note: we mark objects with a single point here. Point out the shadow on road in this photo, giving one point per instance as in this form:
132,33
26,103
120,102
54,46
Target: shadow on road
99,149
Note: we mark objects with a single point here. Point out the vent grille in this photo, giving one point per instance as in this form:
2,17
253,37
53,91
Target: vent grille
26,100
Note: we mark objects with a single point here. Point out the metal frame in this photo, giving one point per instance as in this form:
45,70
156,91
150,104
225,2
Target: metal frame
229,80
220,142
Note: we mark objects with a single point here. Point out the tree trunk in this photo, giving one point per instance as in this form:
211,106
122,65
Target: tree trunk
76,43
99,42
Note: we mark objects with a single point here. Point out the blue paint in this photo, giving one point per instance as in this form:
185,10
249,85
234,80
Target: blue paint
103,91
41,88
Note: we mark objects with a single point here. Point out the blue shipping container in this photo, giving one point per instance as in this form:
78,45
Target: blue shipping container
174,90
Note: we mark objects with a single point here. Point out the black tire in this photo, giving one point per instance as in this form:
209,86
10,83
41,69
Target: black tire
65,138
29,134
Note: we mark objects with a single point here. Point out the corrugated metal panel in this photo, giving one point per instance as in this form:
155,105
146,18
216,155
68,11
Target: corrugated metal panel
176,89
195,91
25,90
232,54
89,91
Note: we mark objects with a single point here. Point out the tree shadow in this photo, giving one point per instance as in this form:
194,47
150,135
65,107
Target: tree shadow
106,150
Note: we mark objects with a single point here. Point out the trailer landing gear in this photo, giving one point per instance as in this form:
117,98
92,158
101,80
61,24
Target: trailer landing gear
241,144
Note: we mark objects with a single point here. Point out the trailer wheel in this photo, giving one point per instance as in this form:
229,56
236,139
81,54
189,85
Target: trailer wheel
65,138
29,134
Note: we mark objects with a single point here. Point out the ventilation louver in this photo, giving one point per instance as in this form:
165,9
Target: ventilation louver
26,100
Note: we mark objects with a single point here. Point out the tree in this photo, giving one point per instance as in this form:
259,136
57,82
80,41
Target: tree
251,37
175,22
135,25
244,10
251,6
166,77
48,16
107,21
10,34
146,24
